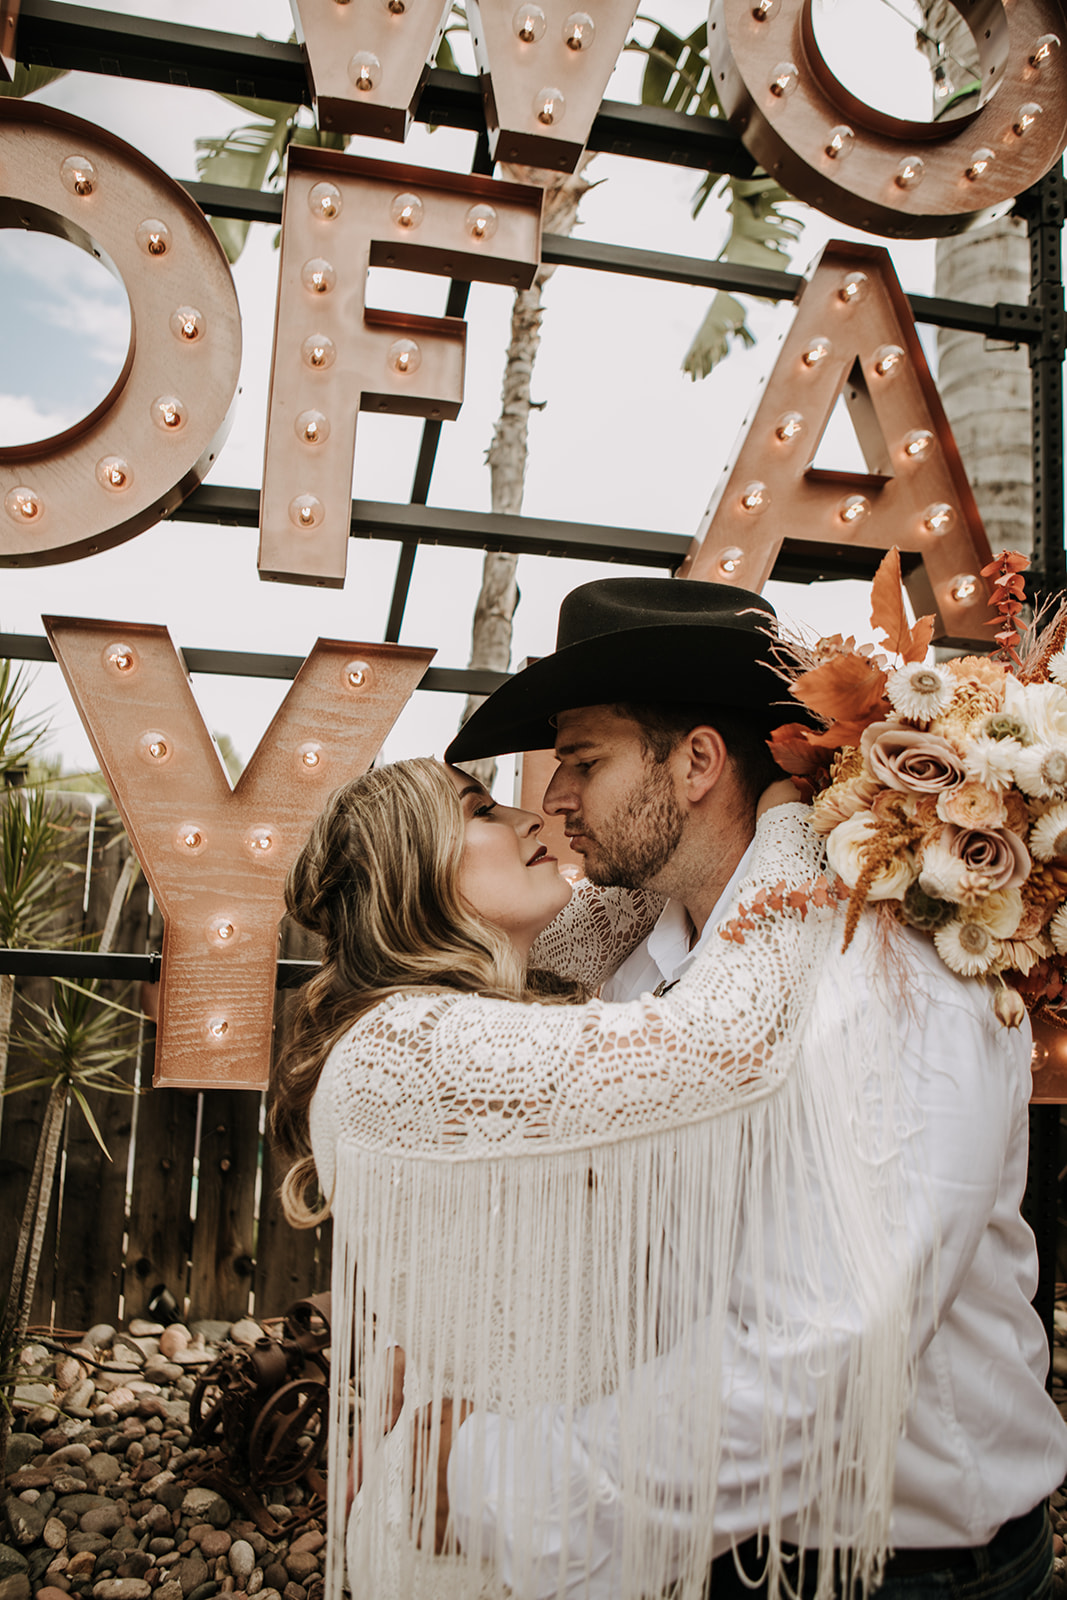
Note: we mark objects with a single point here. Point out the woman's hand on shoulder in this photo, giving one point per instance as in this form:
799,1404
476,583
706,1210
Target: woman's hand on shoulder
781,793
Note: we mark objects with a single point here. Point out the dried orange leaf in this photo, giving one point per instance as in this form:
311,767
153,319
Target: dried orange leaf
844,688
920,636
888,614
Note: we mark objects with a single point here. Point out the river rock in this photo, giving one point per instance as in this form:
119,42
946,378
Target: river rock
79,1395
100,1336
121,1589
21,1449
12,1562
55,1534
300,1564
174,1339
214,1542
102,1468
17,1587
246,1332
25,1523
33,1394
242,1558
191,1571
82,1564
144,1328
169,1589
49,1592
104,1519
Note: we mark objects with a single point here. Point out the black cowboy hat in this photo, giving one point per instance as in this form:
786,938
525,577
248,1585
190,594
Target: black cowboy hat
637,640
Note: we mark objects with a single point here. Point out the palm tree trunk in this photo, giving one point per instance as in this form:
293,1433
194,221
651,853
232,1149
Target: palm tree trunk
495,609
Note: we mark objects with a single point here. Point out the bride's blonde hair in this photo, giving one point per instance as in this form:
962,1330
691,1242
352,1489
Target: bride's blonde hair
378,880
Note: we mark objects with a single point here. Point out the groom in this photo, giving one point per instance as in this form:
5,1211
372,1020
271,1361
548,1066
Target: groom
658,699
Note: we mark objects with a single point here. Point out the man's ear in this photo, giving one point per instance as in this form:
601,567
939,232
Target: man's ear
705,759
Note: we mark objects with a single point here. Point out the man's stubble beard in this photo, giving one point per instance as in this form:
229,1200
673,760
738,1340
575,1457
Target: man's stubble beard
635,844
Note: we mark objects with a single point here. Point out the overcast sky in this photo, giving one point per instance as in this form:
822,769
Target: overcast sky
624,437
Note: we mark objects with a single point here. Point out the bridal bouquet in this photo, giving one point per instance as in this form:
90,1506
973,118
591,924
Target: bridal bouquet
942,789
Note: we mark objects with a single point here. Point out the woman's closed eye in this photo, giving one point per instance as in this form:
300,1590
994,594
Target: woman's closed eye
484,809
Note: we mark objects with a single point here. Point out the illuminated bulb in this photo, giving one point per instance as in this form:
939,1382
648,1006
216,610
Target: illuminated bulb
981,162
190,839
395,8
168,413
549,106
764,10
222,928
1025,117
852,288
324,201
23,504
529,24
356,674
259,840
578,31
79,176
938,518
312,427
318,351
318,276
784,79
364,69
853,509
944,83
120,657
154,237
305,511
730,559
816,351
187,324
910,172
407,210
114,473
789,426
1044,49
840,142
218,1027
404,357
963,587
755,497
157,749
154,747
917,443
481,221
310,756
887,359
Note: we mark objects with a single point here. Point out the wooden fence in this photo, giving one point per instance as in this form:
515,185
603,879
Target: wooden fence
188,1198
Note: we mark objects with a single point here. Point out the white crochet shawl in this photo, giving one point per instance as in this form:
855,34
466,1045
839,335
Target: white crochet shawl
544,1205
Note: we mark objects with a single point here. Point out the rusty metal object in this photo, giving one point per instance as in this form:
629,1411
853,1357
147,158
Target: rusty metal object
9,17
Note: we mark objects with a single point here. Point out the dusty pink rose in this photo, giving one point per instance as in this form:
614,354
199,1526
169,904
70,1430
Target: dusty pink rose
905,758
997,853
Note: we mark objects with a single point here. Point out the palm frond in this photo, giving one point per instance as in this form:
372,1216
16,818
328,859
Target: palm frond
245,158
27,80
724,322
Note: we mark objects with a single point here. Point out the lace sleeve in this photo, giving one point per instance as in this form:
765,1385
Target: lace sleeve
476,1077
595,932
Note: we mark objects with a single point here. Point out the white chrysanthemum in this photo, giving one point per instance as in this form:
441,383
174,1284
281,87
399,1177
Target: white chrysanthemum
1041,770
1048,836
1057,668
966,947
991,762
943,875
920,693
1001,912
1041,707
1057,931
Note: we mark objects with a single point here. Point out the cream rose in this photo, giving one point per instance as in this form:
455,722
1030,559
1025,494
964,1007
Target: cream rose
1041,707
972,805
847,850
840,801
904,758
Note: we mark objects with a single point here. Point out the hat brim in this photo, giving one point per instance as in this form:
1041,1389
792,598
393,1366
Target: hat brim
677,664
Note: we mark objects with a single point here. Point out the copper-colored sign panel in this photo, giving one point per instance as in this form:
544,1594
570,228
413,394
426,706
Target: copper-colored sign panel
854,336
907,180
333,355
151,440
367,63
215,856
544,69
1049,1065
9,16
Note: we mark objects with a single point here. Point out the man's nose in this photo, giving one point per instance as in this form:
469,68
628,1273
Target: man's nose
559,796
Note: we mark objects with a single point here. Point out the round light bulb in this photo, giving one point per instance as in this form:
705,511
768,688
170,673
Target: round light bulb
853,509
1025,117
120,657
755,497
222,930
260,842
396,8
815,352
364,70
218,1027
1044,49
888,358
784,79
155,748
356,674
79,176
187,324
168,413
312,427
910,172
730,559
578,30
319,351
23,504
189,839
529,24
938,518
963,587
153,237
113,472
917,443
318,276
549,106
305,511
981,162
309,756
790,426
404,357
764,10
852,287
325,202
407,210
481,221
839,144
